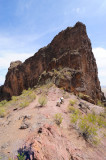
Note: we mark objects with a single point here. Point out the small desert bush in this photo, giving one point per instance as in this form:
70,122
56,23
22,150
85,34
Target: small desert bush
32,96
21,156
72,102
14,98
101,121
27,92
87,129
75,116
2,103
29,95
96,119
42,100
58,118
87,125
22,101
99,103
24,104
2,112
80,95
91,118
71,109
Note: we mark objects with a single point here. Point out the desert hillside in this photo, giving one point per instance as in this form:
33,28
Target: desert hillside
33,125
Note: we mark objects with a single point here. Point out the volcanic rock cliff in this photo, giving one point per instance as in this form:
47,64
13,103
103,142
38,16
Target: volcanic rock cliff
67,61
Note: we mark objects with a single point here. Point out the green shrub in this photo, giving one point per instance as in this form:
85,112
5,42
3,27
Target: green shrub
2,103
32,96
101,121
24,104
2,112
87,125
72,102
71,109
87,129
103,114
21,156
91,118
14,98
96,119
75,116
58,118
80,95
27,92
99,103
42,101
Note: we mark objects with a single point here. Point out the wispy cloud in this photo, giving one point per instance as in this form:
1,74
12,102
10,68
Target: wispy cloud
18,42
23,5
77,10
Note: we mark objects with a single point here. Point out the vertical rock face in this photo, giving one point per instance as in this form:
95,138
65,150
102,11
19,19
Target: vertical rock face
70,51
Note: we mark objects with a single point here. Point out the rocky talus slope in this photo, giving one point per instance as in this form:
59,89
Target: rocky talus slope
67,61
34,131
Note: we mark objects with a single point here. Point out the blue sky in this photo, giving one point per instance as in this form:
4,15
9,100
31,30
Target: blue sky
28,25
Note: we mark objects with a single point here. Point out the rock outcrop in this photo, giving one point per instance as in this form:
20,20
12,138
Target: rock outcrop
14,64
68,61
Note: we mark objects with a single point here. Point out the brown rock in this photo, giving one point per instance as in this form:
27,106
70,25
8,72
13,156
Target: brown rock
14,64
70,49
87,98
50,144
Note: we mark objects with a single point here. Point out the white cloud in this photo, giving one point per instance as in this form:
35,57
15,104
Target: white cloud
18,42
100,55
5,59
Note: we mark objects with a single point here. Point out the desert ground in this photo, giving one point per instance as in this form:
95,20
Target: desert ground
35,126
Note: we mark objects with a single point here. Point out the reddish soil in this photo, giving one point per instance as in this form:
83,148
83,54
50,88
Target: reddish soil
46,140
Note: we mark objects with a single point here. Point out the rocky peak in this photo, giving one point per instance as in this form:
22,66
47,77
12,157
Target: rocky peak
14,64
70,50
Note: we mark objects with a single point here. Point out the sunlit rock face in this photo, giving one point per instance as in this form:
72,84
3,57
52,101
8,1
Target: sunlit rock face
70,53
